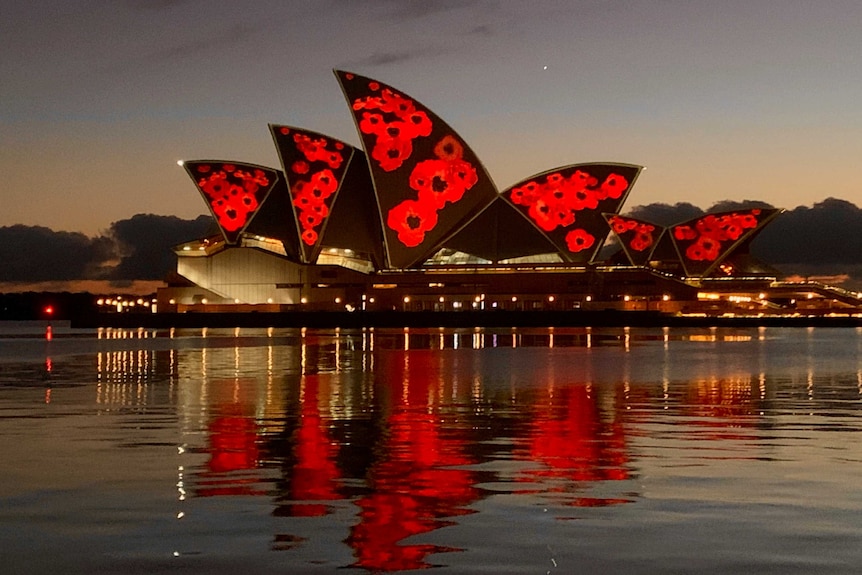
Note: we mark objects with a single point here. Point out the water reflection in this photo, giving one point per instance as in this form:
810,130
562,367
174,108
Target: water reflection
393,435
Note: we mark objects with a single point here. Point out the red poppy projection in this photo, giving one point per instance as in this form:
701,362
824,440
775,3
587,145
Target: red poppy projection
704,242
234,191
638,237
567,204
428,181
314,166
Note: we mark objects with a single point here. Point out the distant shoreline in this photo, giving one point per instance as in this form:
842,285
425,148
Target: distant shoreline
460,319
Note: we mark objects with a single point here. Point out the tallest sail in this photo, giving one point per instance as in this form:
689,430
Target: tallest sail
427,181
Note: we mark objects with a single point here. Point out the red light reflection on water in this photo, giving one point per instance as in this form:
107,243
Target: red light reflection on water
415,486
232,442
314,476
575,443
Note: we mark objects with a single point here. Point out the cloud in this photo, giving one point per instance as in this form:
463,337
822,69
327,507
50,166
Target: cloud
35,253
138,248
385,58
666,214
144,244
826,234
417,9
235,34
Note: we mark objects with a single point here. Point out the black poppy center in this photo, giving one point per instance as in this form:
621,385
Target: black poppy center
413,222
439,185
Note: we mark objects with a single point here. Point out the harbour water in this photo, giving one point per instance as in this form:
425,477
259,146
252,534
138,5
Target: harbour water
471,450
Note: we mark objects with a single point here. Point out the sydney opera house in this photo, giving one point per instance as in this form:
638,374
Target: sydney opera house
413,221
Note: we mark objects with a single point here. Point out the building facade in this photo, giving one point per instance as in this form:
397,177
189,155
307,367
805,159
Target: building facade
412,221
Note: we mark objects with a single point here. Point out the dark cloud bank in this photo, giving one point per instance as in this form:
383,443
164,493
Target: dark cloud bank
825,239
138,248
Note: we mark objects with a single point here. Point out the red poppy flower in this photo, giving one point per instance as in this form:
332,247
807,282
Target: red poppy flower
373,86
320,209
464,173
333,159
432,180
309,236
563,215
228,168
368,103
579,240
704,249
305,199
580,180
619,225
396,103
216,185
323,183
419,124
349,76
543,213
204,168
555,180
397,129
684,233
390,153
309,219
248,201
411,219
747,221
449,149
732,230
614,186
372,123
708,226
284,131
230,216
585,199
299,167
641,241
525,195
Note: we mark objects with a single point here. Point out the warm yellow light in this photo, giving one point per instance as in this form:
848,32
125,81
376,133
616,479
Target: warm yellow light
269,300
172,301
589,298
338,300
550,298
303,300
204,301
100,301
514,298
627,298
407,299
665,297
442,299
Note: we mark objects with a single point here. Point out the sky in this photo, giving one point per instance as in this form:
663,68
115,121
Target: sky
730,100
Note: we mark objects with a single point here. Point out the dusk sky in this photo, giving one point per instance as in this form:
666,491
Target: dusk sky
737,99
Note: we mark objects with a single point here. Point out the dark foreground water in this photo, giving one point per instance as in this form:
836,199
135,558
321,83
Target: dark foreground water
472,451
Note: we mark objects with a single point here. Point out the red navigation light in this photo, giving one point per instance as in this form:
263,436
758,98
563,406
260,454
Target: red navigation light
49,310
